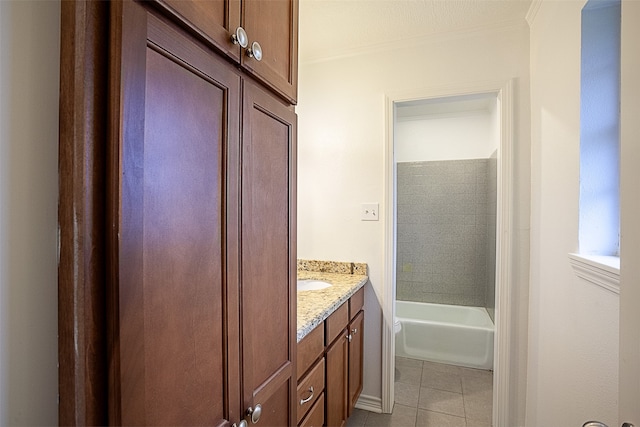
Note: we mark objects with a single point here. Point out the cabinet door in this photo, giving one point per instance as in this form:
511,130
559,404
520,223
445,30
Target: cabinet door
268,275
173,302
356,329
214,20
336,381
273,24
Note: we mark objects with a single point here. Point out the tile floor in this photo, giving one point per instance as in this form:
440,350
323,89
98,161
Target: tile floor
434,395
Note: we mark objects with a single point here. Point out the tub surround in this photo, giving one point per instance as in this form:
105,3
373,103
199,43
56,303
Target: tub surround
314,307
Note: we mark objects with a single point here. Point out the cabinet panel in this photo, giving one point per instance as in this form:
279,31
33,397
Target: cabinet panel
172,306
356,302
310,388
215,20
310,349
356,329
274,24
337,381
336,322
268,278
315,418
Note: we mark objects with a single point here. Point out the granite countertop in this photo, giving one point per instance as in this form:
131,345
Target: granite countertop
315,306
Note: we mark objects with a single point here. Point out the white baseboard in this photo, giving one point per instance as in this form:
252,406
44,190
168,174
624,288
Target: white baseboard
369,403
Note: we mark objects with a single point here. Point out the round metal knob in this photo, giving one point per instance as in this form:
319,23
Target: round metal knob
240,37
255,413
242,423
255,51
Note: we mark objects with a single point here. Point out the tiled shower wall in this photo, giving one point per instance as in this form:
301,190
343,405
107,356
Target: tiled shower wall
445,236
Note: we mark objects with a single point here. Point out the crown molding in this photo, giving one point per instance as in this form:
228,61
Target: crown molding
434,38
533,12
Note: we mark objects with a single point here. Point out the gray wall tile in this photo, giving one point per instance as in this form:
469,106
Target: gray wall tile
444,235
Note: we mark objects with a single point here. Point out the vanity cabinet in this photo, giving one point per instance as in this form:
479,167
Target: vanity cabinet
198,241
311,379
341,355
356,342
271,23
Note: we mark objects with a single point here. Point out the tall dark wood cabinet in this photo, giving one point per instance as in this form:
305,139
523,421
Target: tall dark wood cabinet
186,301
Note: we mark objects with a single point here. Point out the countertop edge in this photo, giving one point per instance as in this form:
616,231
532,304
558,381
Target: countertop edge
310,325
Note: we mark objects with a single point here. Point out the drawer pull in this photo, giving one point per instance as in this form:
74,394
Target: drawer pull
303,401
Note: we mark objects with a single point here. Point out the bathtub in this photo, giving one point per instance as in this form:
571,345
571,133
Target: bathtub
452,334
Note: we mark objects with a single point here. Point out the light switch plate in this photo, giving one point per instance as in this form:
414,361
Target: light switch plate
369,212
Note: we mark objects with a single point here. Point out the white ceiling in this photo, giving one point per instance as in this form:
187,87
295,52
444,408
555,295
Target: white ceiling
332,28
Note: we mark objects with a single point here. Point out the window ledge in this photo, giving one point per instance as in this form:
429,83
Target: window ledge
603,271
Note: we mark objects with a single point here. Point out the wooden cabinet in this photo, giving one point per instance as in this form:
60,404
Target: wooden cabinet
272,23
356,342
343,344
268,257
355,360
337,381
337,355
311,379
199,235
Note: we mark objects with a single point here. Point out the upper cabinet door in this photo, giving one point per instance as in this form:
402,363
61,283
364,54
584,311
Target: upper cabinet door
274,25
214,20
174,347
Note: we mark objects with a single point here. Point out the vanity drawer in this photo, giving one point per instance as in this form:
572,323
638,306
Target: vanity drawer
309,350
337,322
315,417
356,302
310,388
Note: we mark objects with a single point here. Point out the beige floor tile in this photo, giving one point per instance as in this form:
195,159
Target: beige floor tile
408,374
437,419
478,406
441,401
404,361
442,367
441,380
474,380
407,394
403,416
358,418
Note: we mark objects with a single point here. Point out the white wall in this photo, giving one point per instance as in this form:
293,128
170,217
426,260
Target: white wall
29,74
341,143
573,334
466,135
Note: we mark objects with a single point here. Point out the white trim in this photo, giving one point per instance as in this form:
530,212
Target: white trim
369,403
533,12
603,271
504,363
389,272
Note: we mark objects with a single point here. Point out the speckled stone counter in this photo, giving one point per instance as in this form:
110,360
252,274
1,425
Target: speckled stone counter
315,306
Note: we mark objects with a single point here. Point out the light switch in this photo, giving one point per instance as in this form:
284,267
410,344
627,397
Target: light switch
369,212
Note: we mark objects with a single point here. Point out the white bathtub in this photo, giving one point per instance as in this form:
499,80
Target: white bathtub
451,334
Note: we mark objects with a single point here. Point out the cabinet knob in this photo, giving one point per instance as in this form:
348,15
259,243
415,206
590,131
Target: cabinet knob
349,337
242,423
240,37
255,51
255,413
354,331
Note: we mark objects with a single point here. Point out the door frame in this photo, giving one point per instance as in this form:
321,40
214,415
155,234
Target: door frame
505,357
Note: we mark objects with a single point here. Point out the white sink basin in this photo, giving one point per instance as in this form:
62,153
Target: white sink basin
312,285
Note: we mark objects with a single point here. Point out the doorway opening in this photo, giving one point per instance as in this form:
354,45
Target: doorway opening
408,243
